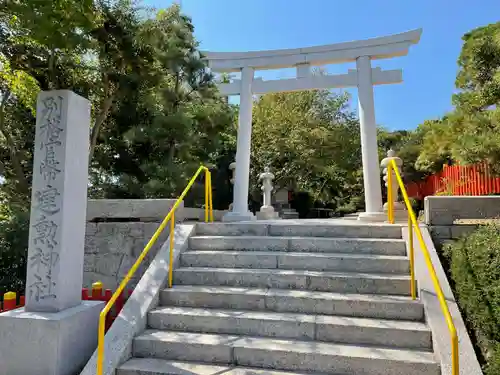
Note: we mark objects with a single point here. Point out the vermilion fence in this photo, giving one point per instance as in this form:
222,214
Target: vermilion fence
97,293
457,180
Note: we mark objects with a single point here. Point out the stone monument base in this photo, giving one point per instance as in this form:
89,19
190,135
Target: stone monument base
372,217
34,343
267,215
238,216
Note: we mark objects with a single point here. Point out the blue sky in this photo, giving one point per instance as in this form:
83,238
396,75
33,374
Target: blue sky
429,70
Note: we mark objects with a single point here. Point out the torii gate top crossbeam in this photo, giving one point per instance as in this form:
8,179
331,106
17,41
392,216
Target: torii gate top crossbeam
377,48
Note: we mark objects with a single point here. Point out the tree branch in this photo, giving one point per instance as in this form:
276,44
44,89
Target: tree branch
101,117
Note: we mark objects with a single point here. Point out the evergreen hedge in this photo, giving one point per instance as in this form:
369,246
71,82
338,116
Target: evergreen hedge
474,263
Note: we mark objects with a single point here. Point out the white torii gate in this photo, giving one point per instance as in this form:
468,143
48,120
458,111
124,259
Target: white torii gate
363,77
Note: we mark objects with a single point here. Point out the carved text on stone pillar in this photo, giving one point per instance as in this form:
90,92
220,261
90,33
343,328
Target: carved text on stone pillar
47,203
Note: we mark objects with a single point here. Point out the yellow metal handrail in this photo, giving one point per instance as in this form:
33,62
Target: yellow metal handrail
209,216
412,223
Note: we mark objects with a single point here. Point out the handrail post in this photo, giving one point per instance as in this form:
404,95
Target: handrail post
171,254
100,346
390,200
210,192
455,364
206,194
412,258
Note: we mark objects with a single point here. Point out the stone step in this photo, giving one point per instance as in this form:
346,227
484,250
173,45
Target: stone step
300,301
297,261
302,228
280,354
340,329
365,283
300,244
156,366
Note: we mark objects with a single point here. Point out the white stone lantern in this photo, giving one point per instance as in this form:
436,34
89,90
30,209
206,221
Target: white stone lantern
267,210
399,208
232,168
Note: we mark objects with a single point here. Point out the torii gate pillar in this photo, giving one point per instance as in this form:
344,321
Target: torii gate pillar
369,146
240,210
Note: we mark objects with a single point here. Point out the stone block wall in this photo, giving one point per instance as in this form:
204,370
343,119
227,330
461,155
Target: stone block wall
447,216
118,230
112,248
444,233
139,209
445,210
116,233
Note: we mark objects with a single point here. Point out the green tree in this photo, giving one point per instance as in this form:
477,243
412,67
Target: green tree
311,141
479,69
156,112
17,101
390,139
90,47
43,35
162,126
471,132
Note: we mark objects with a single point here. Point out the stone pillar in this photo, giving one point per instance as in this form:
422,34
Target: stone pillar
58,203
369,147
399,208
266,210
232,168
240,210
54,312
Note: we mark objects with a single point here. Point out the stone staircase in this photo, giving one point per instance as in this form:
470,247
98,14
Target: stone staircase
283,298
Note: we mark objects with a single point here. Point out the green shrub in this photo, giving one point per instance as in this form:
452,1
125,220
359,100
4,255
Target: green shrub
14,229
475,271
346,209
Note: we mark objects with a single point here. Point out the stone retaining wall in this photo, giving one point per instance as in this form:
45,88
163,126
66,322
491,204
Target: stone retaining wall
444,233
140,209
451,217
445,210
113,242
112,248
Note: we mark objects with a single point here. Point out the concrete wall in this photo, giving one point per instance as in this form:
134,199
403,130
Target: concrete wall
447,216
111,248
446,209
444,233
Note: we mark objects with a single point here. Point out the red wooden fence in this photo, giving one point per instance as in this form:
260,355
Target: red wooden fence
10,301
457,180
